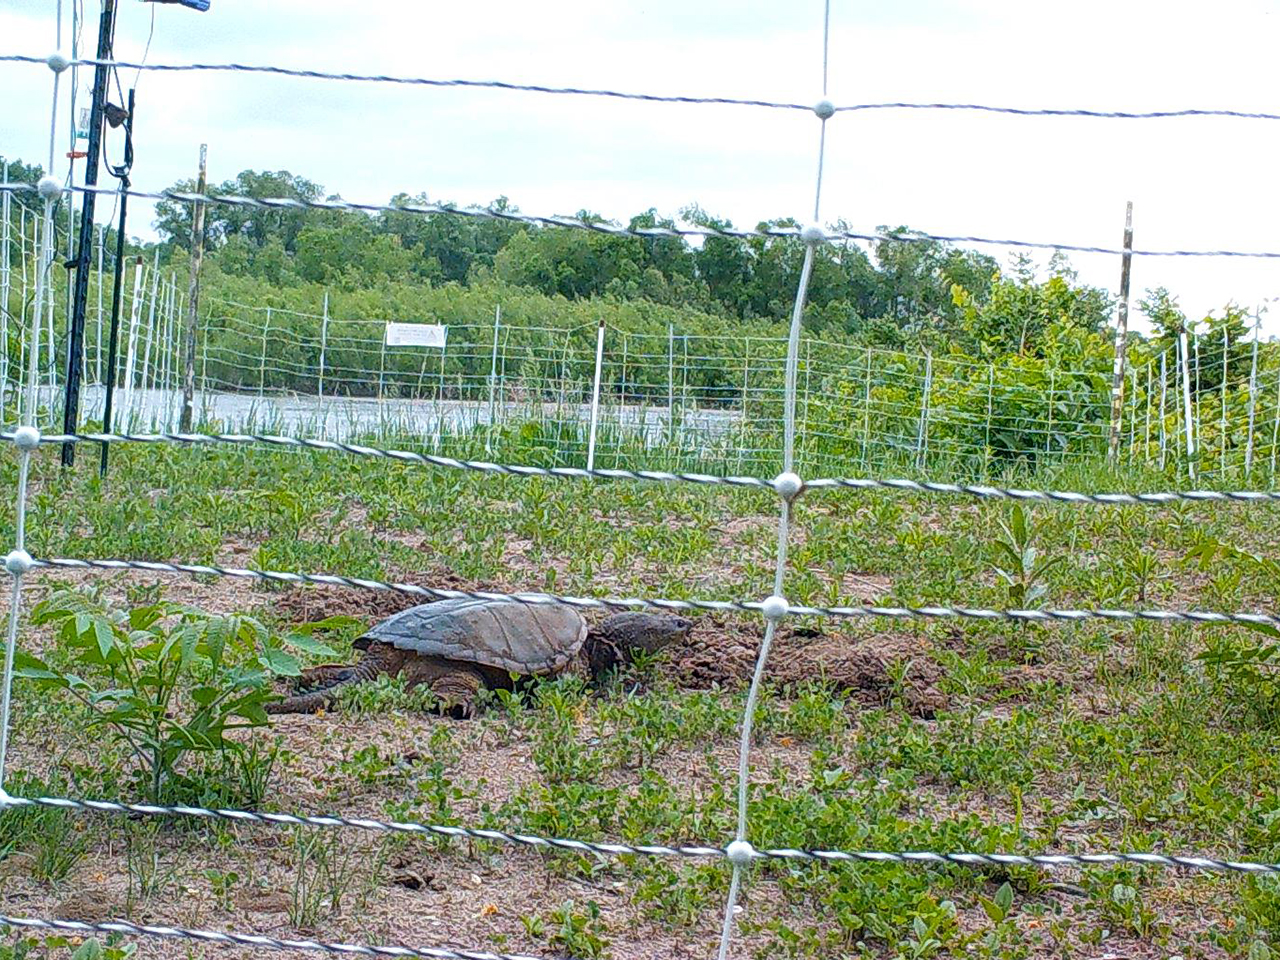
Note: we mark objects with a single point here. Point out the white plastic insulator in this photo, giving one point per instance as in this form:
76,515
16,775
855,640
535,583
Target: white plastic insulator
825,109
26,438
812,233
49,188
775,607
788,485
57,61
740,853
18,562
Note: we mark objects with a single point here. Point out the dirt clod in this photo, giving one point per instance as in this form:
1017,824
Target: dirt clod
263,901
91,905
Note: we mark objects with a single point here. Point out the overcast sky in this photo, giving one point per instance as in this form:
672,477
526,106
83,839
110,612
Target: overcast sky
1196,183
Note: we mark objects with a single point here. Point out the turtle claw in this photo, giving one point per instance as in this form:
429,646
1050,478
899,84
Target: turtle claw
457,693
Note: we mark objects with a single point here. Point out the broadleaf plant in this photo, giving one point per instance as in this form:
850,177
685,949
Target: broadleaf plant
165,679
1018,563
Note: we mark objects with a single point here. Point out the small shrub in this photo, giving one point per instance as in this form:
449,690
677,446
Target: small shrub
51,841
165,680
328,869
29,948
149,875
1018,565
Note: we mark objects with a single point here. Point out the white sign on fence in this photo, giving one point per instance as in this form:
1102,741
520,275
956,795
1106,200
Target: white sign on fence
416,335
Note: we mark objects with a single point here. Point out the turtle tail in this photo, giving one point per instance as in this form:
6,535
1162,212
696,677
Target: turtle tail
368,668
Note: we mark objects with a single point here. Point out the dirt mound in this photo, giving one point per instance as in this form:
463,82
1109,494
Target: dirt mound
725,654
308,603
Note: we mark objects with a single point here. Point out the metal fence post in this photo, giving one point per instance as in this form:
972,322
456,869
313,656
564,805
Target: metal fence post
97,354
1197,401
159,372
262,361
1222,427
866,412
1186,402
135,310
324,343
171,354
1164,390
1253,397
922,434
151,316
595,397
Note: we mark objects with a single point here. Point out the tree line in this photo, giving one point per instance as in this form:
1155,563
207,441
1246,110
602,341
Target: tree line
906,290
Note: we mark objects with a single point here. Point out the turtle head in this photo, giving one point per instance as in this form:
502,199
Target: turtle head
620,638
639,631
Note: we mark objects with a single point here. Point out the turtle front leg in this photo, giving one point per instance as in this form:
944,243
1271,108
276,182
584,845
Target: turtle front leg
456,689
602,655
325,675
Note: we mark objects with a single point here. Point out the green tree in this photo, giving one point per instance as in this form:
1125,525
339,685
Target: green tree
917,276
722,263
1018,311
350,253
256,226
1161,308
445,247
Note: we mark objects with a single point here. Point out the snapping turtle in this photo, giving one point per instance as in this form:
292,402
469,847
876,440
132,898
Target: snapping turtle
456,647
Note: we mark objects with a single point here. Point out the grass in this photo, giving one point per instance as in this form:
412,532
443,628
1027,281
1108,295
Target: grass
1094,736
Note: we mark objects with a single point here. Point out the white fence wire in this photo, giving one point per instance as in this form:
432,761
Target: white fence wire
979,491
760,395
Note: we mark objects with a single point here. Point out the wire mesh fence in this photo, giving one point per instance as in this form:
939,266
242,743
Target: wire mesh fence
670,399
666,400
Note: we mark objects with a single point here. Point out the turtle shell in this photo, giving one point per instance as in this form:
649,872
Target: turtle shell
520,638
